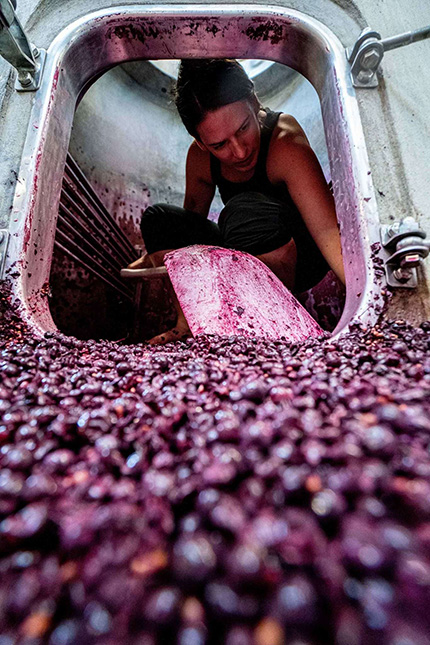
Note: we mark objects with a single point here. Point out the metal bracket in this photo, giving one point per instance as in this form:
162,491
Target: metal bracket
365,57
367,53
32,83
405,241
4,241
15,47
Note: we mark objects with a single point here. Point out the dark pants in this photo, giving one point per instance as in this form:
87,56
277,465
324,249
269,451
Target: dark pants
249,222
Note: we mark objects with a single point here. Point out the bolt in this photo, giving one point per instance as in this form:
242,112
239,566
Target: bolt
370,59
402,275
25,78
365,76
36,51
393,229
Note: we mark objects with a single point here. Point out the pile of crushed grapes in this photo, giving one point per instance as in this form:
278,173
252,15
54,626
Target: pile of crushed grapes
215,490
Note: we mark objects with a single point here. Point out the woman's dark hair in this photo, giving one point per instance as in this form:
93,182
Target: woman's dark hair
206,84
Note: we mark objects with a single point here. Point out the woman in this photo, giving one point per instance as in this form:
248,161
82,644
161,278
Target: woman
277,203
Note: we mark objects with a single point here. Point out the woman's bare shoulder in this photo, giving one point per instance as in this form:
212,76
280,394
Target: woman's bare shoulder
288,141
288,130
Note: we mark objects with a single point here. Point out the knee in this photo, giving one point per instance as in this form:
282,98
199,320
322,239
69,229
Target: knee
155,212
154,216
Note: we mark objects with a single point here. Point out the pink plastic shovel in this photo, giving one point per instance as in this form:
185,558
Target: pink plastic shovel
233,293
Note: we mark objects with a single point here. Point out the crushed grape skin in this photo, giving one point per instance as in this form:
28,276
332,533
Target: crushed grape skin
218,490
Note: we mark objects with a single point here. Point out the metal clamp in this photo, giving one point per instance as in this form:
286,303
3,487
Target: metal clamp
4,240
15,47
367,53
365,57
405,241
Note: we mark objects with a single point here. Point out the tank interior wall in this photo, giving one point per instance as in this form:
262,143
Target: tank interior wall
395,117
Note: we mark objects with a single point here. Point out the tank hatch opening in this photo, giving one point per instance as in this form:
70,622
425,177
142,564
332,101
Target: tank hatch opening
73,188
104,196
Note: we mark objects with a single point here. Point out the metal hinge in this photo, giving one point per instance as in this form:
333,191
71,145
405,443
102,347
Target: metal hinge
405,241
15,47
366,55
4,239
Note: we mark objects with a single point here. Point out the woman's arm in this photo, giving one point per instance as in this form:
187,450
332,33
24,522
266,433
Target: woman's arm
199,189
297,165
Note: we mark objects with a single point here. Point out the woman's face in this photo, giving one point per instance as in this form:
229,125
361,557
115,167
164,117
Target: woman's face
232,134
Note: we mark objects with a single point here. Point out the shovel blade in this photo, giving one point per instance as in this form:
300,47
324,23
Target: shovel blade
230,293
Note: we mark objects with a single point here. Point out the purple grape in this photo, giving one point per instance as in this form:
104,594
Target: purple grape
162,606
239,636
225,602
192,636
296,601
98,619
194,558
27,523
66,633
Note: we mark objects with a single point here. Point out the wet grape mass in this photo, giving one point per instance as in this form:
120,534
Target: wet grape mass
215,490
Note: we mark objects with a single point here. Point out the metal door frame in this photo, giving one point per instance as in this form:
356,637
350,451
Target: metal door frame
98,41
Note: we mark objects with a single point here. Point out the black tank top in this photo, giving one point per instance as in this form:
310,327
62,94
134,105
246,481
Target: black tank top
259,181
311,265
